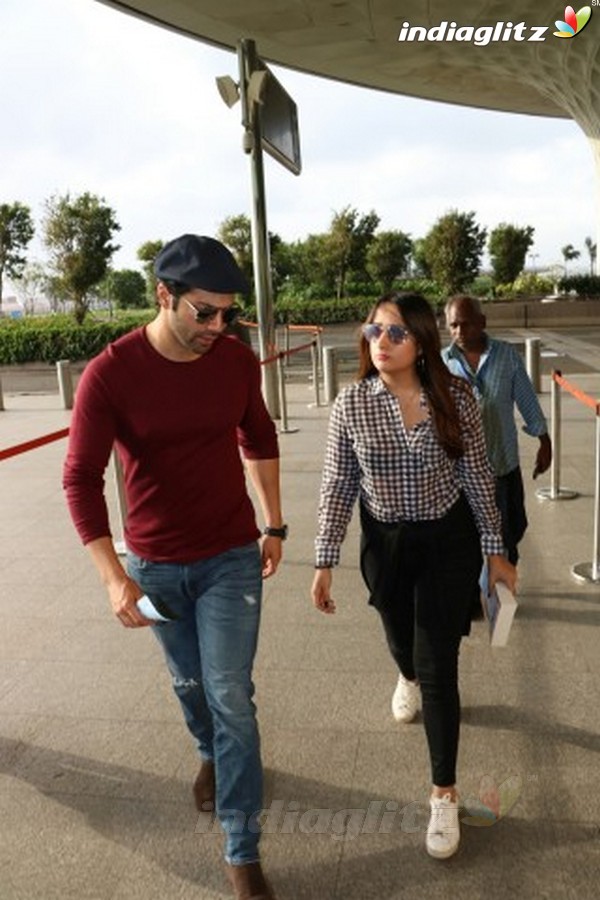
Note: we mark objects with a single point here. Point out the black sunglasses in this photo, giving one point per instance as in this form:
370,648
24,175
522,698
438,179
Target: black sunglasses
397,334
207,313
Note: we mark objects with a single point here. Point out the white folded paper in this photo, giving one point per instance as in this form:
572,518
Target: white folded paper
149,610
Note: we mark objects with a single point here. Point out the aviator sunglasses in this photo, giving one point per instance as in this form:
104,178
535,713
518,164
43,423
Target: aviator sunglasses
207,313
397,334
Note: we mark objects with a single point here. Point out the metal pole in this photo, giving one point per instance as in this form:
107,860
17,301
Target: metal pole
532,362
314,353
65,382
555,431
330,375
1,396
591,571
555,492
247,61
119,545
285,429
319,339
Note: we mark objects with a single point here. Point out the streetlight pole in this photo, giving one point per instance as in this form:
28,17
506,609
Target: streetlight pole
247,61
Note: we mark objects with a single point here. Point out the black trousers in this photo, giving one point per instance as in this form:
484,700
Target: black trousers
510,499
421,577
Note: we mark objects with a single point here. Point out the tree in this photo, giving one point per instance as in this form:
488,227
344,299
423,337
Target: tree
126,288
452,250
592,250
236,233
387,257
569,253
310,271
420,266
16,230
147,253
78,235
347,242
31,284
508,246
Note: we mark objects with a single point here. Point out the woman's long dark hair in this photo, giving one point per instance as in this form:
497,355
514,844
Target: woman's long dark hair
433,374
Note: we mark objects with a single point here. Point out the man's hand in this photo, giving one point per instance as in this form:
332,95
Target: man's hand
123,596
123,592
543,459
271,551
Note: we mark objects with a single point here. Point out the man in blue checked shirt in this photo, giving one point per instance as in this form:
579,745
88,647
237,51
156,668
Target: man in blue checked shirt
495,371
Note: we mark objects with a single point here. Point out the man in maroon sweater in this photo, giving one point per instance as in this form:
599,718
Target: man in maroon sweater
178,400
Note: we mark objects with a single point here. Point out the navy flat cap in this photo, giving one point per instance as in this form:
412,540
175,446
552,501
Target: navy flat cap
200,262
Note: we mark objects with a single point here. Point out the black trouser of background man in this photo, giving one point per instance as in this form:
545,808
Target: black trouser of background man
510,499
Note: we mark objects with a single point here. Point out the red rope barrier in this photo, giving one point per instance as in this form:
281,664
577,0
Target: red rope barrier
283,353
316,328
576,392
31,445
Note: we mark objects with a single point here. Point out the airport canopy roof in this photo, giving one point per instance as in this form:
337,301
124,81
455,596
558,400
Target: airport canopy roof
516,64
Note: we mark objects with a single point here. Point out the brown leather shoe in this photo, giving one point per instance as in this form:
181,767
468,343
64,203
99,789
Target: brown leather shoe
248,882
204,787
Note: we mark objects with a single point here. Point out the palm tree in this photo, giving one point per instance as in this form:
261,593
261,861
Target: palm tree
592,249
569,253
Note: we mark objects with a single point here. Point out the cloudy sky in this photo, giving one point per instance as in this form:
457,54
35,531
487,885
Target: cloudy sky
93,100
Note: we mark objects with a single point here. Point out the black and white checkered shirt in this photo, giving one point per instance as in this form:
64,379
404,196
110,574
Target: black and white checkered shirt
400,476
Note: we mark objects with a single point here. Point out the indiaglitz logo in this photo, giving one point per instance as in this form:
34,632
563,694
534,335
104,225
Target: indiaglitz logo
574,22
482,35
493,802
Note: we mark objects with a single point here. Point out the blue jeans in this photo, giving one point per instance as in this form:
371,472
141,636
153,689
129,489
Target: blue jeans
210,651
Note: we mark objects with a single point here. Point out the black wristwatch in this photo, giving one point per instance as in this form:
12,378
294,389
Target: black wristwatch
276,532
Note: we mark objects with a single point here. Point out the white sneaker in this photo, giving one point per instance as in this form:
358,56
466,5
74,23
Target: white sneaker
405,700
443,831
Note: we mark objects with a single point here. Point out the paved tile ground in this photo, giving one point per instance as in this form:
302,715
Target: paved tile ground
96,767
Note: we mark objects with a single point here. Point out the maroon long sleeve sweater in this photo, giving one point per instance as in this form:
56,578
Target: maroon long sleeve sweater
179,428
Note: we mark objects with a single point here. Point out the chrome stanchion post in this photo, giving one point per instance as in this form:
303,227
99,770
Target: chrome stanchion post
314,354
65,382
119,546
555,492
330,376
319,340
285,429
591,571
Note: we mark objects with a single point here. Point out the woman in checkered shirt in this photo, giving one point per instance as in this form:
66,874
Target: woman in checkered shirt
406,440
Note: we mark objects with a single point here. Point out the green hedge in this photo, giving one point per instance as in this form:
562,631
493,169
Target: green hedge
321,312
50,338
585,285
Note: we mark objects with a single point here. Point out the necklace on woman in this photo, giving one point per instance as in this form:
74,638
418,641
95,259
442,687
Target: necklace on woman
412,409
406,399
